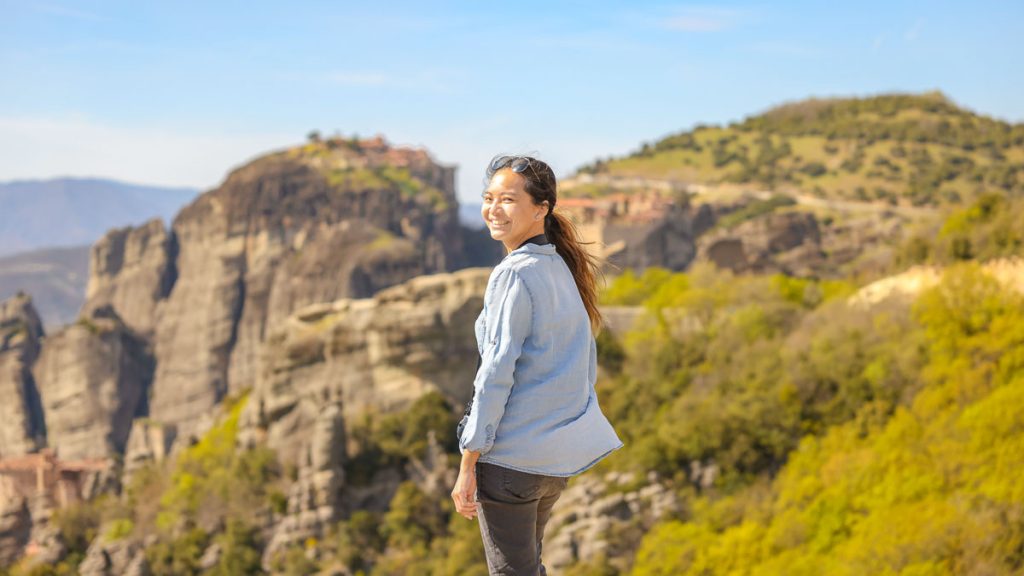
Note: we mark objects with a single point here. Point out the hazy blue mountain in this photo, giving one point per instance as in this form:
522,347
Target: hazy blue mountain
54,277
469,215
75,211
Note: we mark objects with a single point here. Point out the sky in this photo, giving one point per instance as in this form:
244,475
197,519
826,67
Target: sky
180,93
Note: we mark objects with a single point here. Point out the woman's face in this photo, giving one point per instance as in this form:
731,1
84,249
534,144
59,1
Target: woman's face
509,211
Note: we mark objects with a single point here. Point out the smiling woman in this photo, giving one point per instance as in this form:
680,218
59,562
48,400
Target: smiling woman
534,420
509,211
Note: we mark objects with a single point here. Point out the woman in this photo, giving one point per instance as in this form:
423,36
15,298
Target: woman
534,420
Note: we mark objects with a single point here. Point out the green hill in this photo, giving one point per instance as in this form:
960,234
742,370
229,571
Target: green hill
918,149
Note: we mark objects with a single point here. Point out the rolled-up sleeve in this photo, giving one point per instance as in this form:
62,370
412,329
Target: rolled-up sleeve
508,312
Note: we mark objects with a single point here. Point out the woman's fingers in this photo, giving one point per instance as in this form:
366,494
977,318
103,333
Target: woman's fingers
464,505
464,495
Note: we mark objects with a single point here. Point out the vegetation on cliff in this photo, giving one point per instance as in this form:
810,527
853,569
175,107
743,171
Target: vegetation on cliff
918,149
351,164
918,479
988,227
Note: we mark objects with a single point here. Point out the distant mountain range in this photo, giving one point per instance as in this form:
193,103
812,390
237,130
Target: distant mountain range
75,211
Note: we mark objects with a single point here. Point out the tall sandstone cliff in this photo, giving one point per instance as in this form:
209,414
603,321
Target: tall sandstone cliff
374,354
21,417
328,220
93,377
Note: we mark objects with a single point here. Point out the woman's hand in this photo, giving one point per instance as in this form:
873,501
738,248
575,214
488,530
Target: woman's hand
464,492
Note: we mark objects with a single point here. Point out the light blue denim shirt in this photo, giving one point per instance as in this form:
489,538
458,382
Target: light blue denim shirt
534,406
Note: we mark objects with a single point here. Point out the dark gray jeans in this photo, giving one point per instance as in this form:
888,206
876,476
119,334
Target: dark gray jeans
514,508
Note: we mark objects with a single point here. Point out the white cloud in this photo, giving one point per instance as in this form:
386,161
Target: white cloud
44,147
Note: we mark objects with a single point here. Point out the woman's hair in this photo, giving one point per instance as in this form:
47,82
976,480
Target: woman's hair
541,185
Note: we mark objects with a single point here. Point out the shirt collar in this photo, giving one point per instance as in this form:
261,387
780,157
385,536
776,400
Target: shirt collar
538,239
529,246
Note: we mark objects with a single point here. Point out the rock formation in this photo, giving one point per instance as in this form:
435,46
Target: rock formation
378,354
130,270
92,378
314,499
787,242
148,441
605,516
1007,271
21,417
289,229
120,558
15,522
331,219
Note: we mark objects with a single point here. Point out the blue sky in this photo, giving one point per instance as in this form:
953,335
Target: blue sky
179,93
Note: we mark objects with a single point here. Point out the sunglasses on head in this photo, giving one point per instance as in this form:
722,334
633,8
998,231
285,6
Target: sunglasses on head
518,164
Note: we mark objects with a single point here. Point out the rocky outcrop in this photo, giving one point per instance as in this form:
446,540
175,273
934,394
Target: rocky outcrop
15,522
635,222
1007,271
667,243
130,270
314,499
326,221
21,418
787,241
148,441
605,517
118,558
352,260
92,378
45,546
378,354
